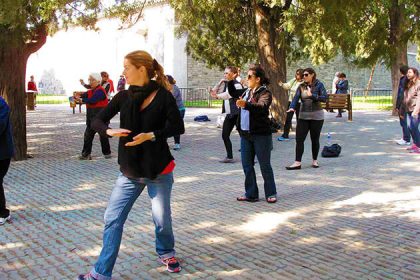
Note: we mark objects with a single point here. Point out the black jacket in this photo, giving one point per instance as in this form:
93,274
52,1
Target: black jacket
161,117
258,107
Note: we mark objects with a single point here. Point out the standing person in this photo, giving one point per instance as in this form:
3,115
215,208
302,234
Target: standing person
6,153
148,116
334,82
411,107
342,87
176,92
254,129
311,118
230,108
32,87
291,86
121,83
406,139
107,84
95,99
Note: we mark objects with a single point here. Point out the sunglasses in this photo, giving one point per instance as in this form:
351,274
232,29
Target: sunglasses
306,74
250,76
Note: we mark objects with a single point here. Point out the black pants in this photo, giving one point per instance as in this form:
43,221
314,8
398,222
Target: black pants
4,167
228,125
289,117
88,139
302,129
177,138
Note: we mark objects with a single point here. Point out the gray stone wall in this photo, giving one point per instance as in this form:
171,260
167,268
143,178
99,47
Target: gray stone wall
201,76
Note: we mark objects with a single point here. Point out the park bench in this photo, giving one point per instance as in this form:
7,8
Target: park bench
339,101
73,105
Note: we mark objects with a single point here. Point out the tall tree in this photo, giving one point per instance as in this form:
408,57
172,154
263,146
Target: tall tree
364,31
223,33
24,27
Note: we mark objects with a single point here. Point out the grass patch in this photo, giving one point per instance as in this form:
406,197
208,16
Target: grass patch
51,99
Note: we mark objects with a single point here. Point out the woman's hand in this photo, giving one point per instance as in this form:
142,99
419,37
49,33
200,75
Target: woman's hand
290,110
213,93
240,103
140,138
308,91
118,132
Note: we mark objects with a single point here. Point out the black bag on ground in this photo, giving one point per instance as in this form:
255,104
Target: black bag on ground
331,151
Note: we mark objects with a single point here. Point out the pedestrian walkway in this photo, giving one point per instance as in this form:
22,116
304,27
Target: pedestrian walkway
356,217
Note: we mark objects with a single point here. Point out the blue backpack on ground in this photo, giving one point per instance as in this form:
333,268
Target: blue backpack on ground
202,118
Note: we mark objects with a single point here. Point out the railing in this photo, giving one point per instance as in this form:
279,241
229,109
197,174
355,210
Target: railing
198,97
378,99
373,99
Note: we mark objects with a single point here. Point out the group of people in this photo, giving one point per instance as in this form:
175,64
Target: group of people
247,108
408,108
151,111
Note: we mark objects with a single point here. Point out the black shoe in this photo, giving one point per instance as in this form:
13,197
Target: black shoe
294,167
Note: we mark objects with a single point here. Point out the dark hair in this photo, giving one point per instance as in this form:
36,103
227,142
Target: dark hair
310,71
410,83
171,79
232,69
259,73
342,75
104,74
300,72
404,69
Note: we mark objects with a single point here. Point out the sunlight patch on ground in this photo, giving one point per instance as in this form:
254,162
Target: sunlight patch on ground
7,246
309,240
266,222
370,154
85,187
231,273
93,252
187,179
80,206
350,232
15,208
204,225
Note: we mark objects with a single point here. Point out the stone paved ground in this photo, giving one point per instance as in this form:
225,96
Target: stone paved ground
356,217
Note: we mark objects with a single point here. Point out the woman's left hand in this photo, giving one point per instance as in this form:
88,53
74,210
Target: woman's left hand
140,138
241,103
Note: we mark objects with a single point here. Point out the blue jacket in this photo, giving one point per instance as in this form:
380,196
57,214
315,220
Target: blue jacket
342,86
319,94
6,140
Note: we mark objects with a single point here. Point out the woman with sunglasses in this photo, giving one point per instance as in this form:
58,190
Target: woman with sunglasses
311,118
254,128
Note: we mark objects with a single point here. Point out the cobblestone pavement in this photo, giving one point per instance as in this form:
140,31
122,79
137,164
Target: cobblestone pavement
356,217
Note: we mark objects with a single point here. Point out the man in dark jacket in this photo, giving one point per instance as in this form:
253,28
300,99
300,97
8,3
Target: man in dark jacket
6,153
405,140
95,99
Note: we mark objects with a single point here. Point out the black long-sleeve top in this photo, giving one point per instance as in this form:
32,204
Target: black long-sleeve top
161,117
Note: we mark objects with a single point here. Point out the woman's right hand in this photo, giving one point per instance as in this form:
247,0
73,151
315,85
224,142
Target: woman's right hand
290,110
118,132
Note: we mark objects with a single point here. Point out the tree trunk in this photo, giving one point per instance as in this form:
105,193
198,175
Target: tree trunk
272,55
399,46
14,54
369,84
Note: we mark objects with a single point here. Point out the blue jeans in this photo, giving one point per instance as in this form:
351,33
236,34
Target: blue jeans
413,127
404,126
123,196
259,145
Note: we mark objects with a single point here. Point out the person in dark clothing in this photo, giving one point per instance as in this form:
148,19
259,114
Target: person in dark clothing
311,118
406,139
342,87
6,153
176,92
255,131
231,110
95,100
148,116
121,83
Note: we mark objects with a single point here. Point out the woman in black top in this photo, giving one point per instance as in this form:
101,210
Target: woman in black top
311,117
148,116
254,128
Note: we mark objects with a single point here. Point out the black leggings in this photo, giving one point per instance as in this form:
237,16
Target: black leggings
289,117
228,125
302,129
4,166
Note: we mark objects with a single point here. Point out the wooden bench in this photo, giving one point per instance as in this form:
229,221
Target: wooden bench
73,105
339,101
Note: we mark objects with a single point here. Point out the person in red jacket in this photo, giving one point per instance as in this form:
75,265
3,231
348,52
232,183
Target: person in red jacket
32,87
95,99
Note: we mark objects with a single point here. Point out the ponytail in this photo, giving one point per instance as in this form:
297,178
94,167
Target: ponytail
161,78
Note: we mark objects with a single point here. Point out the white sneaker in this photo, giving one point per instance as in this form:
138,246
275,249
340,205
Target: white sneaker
402,142
4,220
